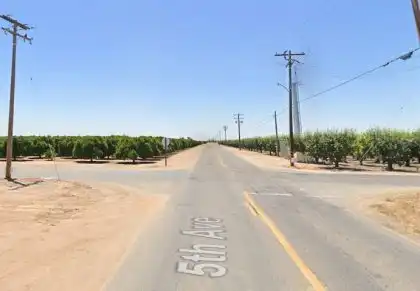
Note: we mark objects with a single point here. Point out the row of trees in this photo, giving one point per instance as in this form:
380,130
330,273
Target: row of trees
389,146
93,147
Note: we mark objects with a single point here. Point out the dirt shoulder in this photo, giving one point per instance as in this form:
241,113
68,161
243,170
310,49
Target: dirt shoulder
273,162
398,210
260,160
67,235
182,160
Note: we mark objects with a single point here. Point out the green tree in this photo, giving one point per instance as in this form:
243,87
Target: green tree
132,155
338,145
157,146
65,145
101,147
3,145
88,147
124,147
363,147
111,142
19,147
39,146
415,146
91,148
144,149
314,146
392,148
50,153
78,149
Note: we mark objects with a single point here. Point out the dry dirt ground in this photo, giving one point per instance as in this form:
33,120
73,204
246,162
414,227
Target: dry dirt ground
398,210
182,160
68,235
266,161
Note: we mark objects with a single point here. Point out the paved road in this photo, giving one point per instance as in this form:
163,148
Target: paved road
209,239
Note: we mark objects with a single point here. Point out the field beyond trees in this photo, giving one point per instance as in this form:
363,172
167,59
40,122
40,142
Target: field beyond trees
93,147
388,147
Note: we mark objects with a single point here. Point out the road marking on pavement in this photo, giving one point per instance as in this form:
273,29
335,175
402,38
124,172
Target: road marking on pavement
252,210
272,194
309,275
205,233
324,196
206,254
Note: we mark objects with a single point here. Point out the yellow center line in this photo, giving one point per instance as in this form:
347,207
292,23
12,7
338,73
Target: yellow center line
304,269
252,210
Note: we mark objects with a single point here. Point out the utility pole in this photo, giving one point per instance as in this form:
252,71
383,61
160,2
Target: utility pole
277,134
288,55
225,129
416,11
238,120
14,31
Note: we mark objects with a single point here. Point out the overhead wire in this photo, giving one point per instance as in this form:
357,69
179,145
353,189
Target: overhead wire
403,57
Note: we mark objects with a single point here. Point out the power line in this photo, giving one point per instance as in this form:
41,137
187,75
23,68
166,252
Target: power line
403,57
262,122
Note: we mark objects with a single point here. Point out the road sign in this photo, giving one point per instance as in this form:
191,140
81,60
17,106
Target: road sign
165,142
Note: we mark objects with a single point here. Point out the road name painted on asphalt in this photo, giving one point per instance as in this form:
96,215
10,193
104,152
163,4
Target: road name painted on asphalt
201,259
271,194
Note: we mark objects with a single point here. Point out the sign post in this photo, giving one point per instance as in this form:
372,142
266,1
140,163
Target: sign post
165,143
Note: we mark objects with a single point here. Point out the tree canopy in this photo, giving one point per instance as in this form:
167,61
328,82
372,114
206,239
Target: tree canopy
389,146
93,147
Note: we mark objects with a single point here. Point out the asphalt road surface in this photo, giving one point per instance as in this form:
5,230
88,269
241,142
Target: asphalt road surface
235,227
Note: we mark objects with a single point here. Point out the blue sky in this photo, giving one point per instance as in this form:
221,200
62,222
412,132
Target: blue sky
182,68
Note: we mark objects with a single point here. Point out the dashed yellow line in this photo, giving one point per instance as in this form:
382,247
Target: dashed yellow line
316,284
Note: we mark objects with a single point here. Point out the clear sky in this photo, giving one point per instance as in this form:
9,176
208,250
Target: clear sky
182,68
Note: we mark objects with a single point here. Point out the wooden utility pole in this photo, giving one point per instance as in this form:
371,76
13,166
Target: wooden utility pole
416,11
14,31
238,120
288,55
225,129
277,134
